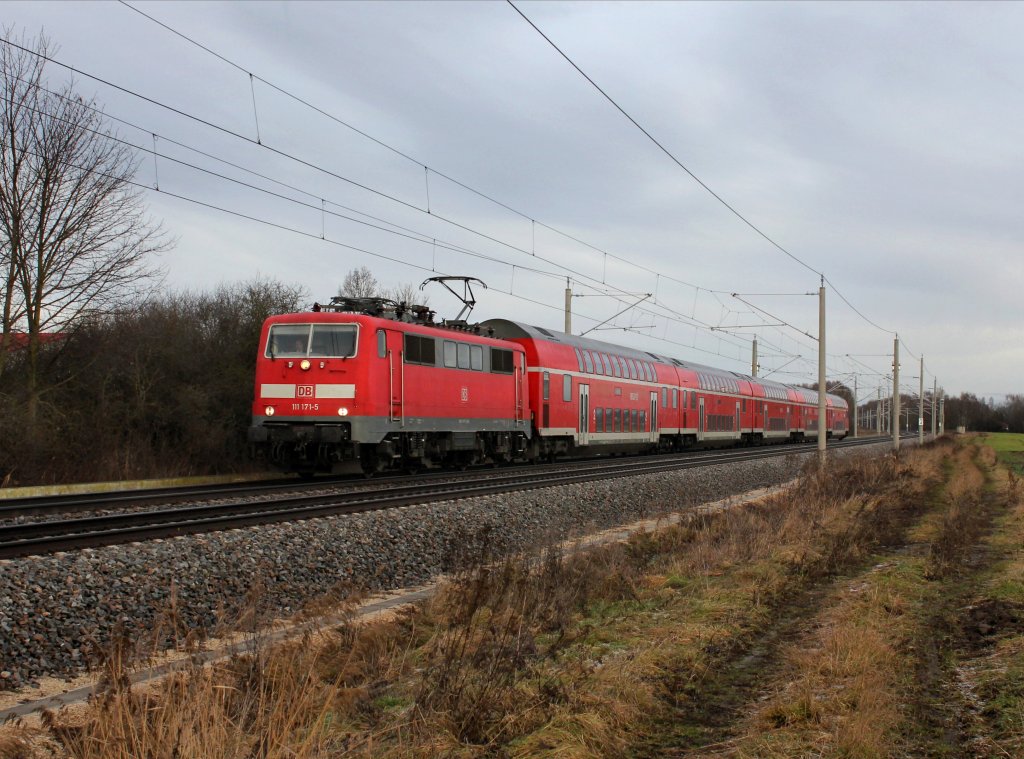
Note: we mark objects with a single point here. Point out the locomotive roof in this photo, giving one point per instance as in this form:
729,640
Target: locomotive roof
507,328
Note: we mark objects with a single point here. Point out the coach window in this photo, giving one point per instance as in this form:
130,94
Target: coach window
607,364
618,420
616,369
693,401
675,397
608,420
664,397
643,421
567,387
588,364
632,420
547,385
579,358
598,420
476,358
450,354
463,355
382,343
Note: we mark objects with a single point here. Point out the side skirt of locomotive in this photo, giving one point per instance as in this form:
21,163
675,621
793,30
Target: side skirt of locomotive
309,447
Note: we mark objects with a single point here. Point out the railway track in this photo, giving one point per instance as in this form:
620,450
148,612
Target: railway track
30,538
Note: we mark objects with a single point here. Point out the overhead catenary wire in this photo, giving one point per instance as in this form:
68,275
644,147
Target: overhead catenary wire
697,179
534,222
689,321
490,198
427,168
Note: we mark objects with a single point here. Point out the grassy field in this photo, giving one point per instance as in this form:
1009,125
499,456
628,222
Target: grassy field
1009,446
873,611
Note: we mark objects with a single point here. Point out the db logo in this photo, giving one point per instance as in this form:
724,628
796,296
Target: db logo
465,394
305,391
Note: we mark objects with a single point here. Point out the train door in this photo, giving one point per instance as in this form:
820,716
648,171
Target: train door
396,374
700,418
739,429
584,434
654,417
520,378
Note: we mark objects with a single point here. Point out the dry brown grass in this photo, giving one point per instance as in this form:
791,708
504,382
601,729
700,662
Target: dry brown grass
567,654
849,684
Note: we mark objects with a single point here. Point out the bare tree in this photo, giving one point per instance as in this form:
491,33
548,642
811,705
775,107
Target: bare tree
407,293
74,235
360,283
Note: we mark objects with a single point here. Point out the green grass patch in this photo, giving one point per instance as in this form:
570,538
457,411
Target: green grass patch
1009,447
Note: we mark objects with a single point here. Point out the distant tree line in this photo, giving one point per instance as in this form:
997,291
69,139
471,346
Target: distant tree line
977,415
162,388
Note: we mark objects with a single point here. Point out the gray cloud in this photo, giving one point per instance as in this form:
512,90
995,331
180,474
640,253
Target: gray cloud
878,142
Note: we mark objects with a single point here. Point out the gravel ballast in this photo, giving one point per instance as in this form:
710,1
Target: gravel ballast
58,611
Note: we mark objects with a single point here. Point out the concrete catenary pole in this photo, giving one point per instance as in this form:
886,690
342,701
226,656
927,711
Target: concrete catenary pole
935,403
821,373
896,393
920,406
878,413
855,405
753,360
568,307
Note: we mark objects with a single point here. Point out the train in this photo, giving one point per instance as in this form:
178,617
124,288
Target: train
373,385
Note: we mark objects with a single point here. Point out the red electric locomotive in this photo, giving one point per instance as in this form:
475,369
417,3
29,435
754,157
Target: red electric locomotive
378,384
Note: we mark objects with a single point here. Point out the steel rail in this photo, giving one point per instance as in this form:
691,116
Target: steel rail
74,534
11,508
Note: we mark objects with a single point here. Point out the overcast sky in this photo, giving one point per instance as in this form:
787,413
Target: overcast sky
878,143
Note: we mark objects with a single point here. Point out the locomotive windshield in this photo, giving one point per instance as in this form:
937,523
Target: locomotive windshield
319,340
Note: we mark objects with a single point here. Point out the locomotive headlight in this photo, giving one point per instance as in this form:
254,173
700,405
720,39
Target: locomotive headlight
304,365
269,411
342,411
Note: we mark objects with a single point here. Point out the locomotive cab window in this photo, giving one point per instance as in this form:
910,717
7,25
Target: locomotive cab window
502,361
382,344
420,350
333,340
449,354
301,340
288,340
